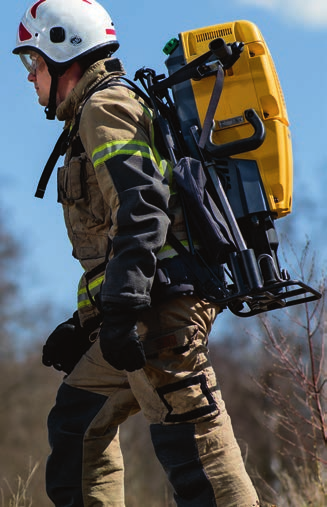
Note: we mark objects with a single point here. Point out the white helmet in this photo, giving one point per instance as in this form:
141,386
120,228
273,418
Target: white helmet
62,31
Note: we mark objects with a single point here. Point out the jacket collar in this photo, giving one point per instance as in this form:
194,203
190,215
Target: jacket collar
100,70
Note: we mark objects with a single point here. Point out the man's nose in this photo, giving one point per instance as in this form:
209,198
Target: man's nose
31,77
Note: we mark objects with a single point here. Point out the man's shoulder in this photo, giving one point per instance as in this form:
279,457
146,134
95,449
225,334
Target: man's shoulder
114,97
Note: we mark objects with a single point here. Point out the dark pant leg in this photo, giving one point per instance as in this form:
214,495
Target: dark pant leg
67,424
179,394
176,449
85,467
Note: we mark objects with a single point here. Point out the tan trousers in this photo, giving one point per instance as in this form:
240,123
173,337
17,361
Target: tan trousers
178,394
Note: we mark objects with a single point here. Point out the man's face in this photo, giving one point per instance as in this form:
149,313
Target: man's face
39,75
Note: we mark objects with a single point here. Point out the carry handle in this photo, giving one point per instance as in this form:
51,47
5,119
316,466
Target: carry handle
241,145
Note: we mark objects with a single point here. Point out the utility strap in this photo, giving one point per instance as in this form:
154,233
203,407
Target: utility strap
63,141
47,171
215,96
88,276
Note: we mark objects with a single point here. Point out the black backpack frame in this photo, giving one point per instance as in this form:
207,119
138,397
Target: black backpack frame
213,193
237,266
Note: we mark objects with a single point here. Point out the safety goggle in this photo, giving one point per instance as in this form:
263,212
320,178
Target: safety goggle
31,61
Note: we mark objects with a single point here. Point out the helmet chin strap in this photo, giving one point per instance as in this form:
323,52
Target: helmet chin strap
51,108
55,74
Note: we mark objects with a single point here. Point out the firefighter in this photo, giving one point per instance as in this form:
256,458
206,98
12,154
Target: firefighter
131,345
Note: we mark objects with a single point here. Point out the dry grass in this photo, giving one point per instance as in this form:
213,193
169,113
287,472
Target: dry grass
20,496
304,493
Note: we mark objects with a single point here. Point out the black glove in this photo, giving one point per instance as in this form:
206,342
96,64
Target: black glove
67,343
119,341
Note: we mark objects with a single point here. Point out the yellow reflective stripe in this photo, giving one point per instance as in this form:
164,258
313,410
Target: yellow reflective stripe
168,251
109,150
82,294
148,111
165,166
83,304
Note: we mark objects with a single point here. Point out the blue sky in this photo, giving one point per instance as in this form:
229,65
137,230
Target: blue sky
295,31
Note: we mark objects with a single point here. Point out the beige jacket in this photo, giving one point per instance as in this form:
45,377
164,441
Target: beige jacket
113,192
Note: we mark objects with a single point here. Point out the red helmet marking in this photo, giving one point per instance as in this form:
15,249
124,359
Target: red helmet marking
34,8
87,2
110,31
23,33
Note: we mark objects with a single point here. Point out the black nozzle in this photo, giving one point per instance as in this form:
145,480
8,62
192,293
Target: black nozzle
220,49
227,54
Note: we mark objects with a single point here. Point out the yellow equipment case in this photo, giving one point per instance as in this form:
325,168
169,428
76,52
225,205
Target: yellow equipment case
252,82
221,120
224,125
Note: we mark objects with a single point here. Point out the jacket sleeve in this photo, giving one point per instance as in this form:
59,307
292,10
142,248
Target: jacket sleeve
114,132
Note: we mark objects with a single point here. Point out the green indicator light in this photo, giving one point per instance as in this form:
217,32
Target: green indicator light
170,46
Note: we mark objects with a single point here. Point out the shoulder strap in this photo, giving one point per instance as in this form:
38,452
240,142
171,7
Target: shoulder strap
66,136
215,96
49,166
